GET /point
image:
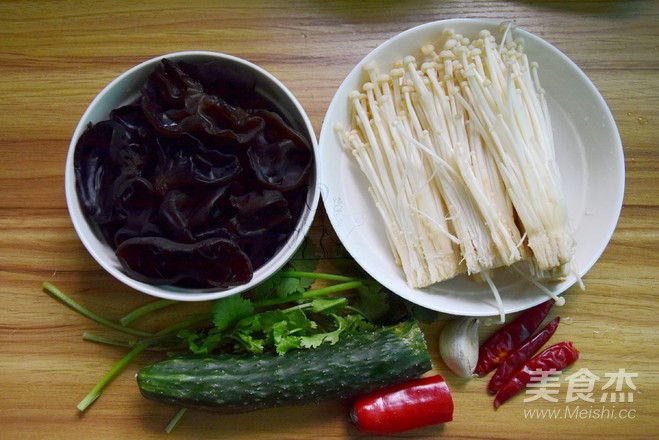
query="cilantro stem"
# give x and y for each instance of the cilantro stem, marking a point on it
(185, 324)
(318, 276)
(91, 315)
(332, 289)
(309, 294)
(114, 371)
(88, 336)
(127, 343)
(175, 419)
(146, 309)
(137, 349)
(189, 322)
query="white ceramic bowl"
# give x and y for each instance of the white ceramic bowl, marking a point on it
(589, 155)
(125, 89)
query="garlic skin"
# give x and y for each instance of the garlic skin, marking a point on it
(458, 345)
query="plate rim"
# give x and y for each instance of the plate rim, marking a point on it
(327, 129)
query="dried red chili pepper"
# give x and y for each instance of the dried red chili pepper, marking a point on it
(518, 358)
(557, 357)
(414, 404)
(505, 340)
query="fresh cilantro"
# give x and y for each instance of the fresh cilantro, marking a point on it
(283, 286)
(373, 300)
(245, 342)
(421, 313)
(312, 341)
(201, 343)
(288, 343)
(286, 313)
(288, 286)
(229, 310)
(344, 325)
(321, 305)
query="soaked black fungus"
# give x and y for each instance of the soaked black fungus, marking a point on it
(214, 262)
(198, 182)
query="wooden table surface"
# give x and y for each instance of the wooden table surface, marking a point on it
(55, 56)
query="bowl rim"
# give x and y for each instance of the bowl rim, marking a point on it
(100, 251)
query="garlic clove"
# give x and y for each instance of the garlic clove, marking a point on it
(458, 345)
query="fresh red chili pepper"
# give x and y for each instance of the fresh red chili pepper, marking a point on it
(518, 358)
(505, 340)
(556, 357)
(414, 404)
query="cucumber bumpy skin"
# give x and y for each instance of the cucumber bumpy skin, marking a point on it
(226, 383)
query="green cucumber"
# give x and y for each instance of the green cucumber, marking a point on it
(355, 365)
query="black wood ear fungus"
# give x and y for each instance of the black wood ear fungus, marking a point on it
(198, 182)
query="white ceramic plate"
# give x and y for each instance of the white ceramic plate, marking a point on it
(589, 153)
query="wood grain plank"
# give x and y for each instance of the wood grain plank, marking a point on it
(56, 56)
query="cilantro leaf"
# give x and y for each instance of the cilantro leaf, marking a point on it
(229, 310)
(201, 342)
(289, 286)
(273, 329)
(288, 343)
(421, 313)
(373, 300)
(248, 342)
(323, 305)
(344, 325)
(257, 322)
(305, 259)
(313, 341)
